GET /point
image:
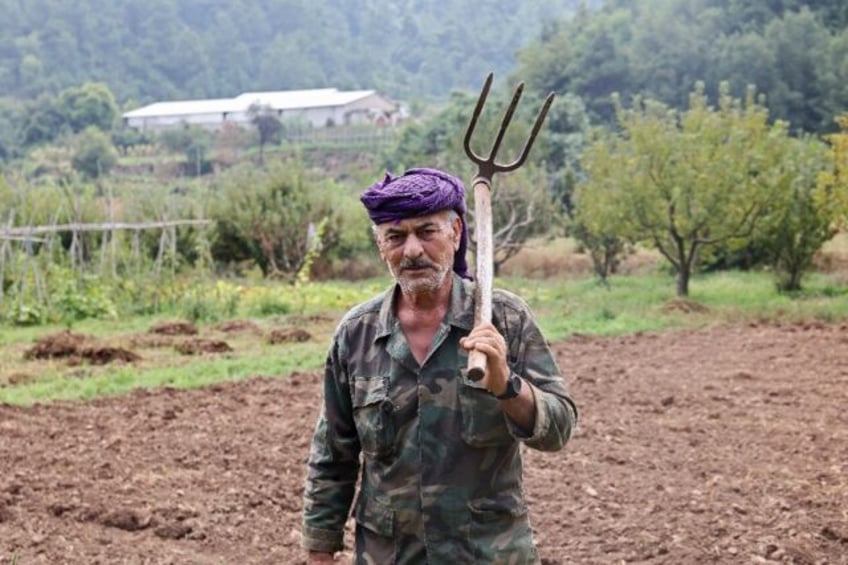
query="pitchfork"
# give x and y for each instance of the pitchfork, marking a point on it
(482, 185)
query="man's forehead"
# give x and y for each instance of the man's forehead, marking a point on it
(416, 222)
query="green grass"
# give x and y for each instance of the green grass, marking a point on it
(563, 308)
(643, 303)
(191, 374)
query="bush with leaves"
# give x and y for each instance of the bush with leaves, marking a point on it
(265, 216)
(93, 153)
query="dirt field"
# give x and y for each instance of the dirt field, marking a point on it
(725, 445)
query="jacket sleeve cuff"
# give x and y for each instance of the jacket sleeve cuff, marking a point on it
(325, 541)
(540, 426)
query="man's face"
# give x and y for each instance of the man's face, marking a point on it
(419, 251)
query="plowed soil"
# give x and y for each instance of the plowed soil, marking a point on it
(721, 445)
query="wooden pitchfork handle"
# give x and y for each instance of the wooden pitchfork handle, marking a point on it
(482, 186)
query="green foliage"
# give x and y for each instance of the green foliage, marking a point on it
(72, 111)
(801, 216)
(93, 155)
(683, 182)
(25, 314)
(180, 49)
(80, 298)
(192, 141)
(202, 303)
(264, 215)
(90, 105)
(791, 51)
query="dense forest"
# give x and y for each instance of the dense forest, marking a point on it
(167, 49)
(794, 52)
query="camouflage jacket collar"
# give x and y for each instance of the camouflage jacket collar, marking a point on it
(460, 312)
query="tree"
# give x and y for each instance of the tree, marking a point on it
(192, 141)
(801, 213)
(92, 104)
(264, 216)
(683, 181)
(94, 155)
(267, 124)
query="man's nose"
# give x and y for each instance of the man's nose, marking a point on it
(412, 246)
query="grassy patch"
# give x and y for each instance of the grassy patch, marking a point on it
(572, 305)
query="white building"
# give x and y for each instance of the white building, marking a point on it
(317, 108)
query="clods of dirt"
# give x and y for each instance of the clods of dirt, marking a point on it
(685, 305)
(199, 345)
(288, 335)
(152, 341)
(174, 328)
(238, 326)
(127, 519)
(55, 346)
(105, 355)
(76, 349)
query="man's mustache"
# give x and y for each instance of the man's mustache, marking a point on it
(416, 264)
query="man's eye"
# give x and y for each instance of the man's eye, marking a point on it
(428, 233)
(395, 238)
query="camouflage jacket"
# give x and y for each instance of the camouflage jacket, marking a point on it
(441, 464)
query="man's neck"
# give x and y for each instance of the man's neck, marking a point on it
(427, 301)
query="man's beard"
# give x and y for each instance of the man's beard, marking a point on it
(429, 283)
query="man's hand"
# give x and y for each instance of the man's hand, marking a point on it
(486, 339)
(317, 557)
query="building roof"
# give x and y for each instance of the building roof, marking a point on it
(183, 107)
(278, 100)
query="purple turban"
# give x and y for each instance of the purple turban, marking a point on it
(419, 192)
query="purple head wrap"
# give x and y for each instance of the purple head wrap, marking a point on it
(419, 192)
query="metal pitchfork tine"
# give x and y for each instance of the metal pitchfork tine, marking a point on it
(482, 186)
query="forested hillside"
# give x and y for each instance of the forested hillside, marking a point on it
(793, 52)
(159, 49)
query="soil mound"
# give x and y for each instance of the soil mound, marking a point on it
(199, 346)
(105, 355)
(238, 326)
(58, 345)
(685, 305)
(174, 328)
(288, 335)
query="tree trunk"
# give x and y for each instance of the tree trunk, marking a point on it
(684, 272)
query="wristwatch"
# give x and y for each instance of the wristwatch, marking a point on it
(513, 387)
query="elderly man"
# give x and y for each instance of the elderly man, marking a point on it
(441, 477)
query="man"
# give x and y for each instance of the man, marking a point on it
(440, 454)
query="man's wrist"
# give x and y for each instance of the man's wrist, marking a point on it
(512, 389)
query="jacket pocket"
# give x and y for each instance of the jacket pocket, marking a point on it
(483, 420)
(501, 530)
(373, 413)
(375, 530)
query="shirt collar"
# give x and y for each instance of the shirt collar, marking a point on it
(460, 311)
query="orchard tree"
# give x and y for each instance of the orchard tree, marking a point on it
(801, 214)
(683, 181)
(834, 183)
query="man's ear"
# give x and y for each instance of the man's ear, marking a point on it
(457, 232)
